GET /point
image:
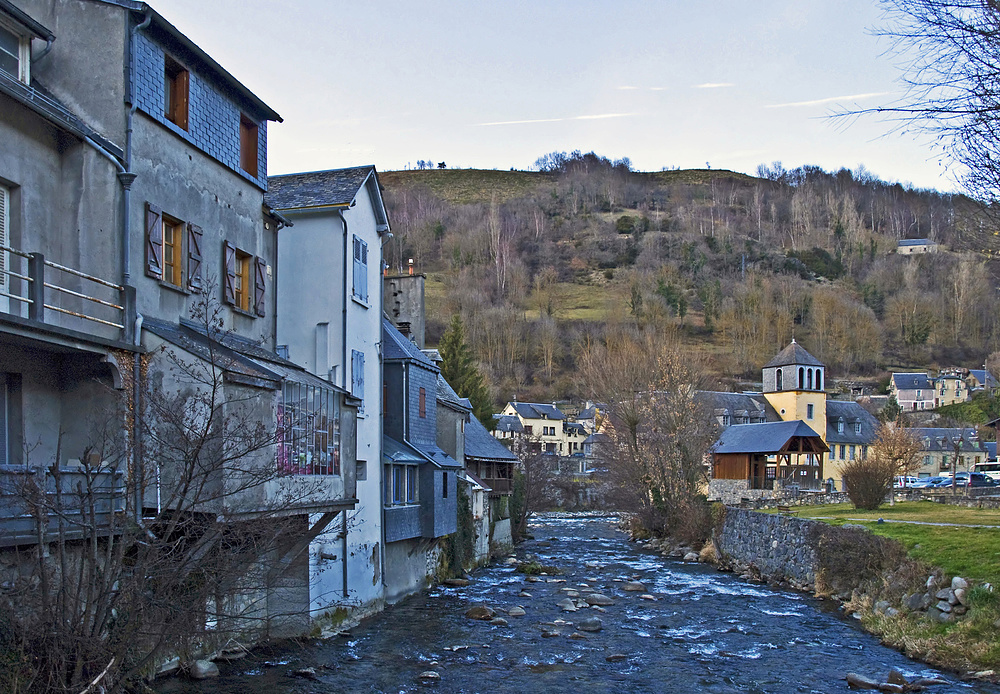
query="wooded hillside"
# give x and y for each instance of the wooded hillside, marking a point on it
(541, 264)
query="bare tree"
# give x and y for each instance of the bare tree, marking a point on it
(896, 448)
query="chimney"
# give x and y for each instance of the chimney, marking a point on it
(410, 265)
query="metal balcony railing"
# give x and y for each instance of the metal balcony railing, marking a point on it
(31, 285)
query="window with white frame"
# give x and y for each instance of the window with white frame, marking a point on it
(840, 426)
(857, 427)
(308, 430)
(360, 270)
(402, 485)
(15, 53)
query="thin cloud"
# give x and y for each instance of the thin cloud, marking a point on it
(627, 88)
(828, 100)
(714, 85)
(599, 116)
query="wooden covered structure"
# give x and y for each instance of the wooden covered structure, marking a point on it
(769, 455)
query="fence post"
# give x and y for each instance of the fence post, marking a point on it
(36, 287)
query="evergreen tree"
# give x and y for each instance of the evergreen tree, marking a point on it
(458, 369)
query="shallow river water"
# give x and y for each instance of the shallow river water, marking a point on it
(706, 632)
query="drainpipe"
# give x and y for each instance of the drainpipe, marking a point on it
(137, 465)
(343, 380)
(126, 203)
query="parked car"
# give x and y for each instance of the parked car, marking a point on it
(905, 482)
(926, 482)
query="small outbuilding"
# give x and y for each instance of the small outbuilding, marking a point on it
(756, 460)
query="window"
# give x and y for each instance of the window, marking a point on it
(358, 377)
(10, 419)
(842, 451)
(927, 460)
(248, 146)
(423, 402)
(850, 452)
(402, 487)
(308, 430)
(528, 429)
(175, 93)
(15, 54)
(246, 280)
(802, 378)
(779, 379)
(840, 426)
(360, 270)
(819, 380)
(944, 462)
(444, 484)
(809, 411)
(857, 427)
(173, 250)
(725, 420)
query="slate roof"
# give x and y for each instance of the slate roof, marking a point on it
(480, 444)
(395, 346)
(537, 410)
(436, 455)
(767, 437)
(794, 353)
(333, 188)
(447, 396)
(754, 405)
(850, 412)
(574, 426)
(914, 242)
(984, 377)
(991, 449)
(394, 451)
(596, 438)
(508, 423)
(941, 439)
(911, 381)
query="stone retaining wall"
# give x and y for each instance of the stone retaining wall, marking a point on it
(768, 546)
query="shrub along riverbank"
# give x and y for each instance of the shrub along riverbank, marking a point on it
(902, 601)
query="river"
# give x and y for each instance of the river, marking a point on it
(705, 631)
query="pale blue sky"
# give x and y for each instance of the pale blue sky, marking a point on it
(666, 83)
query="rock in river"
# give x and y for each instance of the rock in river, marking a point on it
(480, 612)
(567, 605)
(203, 669)
(591, 624)
(634, 587)
(598, 599)
(516, 612)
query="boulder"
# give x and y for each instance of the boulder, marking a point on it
(456, 582)
(616, 657)
(647, 596)
(516, 612)
(962, 596)
(524, 594)
(914, 602)
(881, 606)
(591, 624)
(634, 587)
(203, 669)
(959, 582)
(943, 606)
(566, 605)
(896, 677)
(169, 667)
(549, 633)
(480, 612)
(578, 636)
(858, 682)
(691, 556)
(943, 594)
(308, 673)
(599, 599)
(890, 688)
(498, 622)
(429, 676)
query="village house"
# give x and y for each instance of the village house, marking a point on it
(329, 319)
(542, 428)
(915, 246)
(942, 447)
(949, 389)
(913, 391)
(136, 241)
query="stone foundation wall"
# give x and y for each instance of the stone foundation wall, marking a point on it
(768, 546)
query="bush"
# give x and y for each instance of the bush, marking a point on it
(868, 481)
(850, 557)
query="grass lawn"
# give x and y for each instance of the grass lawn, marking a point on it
(972, 553)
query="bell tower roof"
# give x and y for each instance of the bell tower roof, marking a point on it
(795, 354)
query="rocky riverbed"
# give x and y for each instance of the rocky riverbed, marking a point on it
(615, 618)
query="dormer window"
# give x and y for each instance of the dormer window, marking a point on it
(14, 54)
(857, 427)
(840, 426)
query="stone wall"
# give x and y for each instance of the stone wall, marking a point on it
(768, 546)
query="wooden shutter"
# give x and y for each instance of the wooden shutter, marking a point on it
(229, 273)
(194, 234)
(154, 241)
(259, 285)
(181, 85)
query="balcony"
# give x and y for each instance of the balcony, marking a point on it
(67, 503)
(65, 299)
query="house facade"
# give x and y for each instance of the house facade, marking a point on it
(915, 246)
(946, 450)
(913, 391)
(542, 428)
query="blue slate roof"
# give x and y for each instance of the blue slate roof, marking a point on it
(914, 242)
(767, 437)
(508, 423)
(943, 439)
(394, 451)
(395, 346)
(911, 381)
(991, 449)
(436, 455)
(794, 353)
(575, 426)
(447, 396)
(480, 444)
(333, 188)
(537, 410)
(850, 412)
(984, 377)
(755, 406)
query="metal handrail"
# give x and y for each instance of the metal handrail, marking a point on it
(82, 315)
(15, 251)
(83, 296)
(83, 275)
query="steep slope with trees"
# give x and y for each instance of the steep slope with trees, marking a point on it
(539, 265)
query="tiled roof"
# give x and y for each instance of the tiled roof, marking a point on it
(984, 377)
(436, 455)
(768, 437)
(447, 396)
(508, 423)
(943, 438)
(480, 444)
(911, 381)
(914, 242)
(794, 353)
(334, 188)
(755, 405)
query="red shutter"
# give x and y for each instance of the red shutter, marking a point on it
(154, 241)
(259, 285)
(194, 258)
(229, 272)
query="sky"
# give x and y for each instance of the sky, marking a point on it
(727, 84)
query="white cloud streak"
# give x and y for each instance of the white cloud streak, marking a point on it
(828, 100)
(714, 85)
(600, 116)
